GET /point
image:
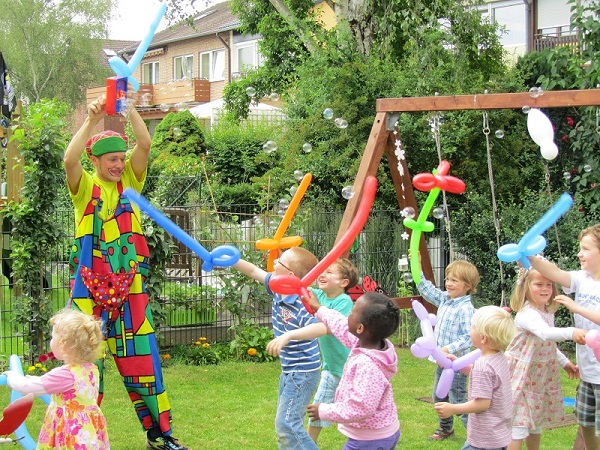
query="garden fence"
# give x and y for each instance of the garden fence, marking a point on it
(195, 303)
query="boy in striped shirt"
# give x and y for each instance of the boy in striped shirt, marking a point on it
(300, 359)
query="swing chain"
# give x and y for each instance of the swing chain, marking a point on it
(486, 123)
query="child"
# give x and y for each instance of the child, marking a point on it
(333, 285)
(455, 311)
(585, 283)
(73, 418)
(533, 359)
(364, 401)
(490, 399)
(300, 360)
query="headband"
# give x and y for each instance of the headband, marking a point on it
(106, 142)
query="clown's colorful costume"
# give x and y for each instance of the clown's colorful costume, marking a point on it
(109, 241)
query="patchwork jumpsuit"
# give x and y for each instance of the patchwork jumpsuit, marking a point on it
(116, 246)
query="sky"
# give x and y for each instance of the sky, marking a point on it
(133, 18)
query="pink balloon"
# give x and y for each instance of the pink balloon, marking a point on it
(592, 339)
(420, 310)
(444, 383)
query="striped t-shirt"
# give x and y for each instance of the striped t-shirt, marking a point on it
(490, 379)
(288, 314)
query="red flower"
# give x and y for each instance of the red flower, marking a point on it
(43, 358)
(574, 170)
(570, 121)
(565, 138)
(593, 185)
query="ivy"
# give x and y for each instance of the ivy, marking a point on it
(42, 138)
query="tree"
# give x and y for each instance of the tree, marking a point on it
(51, 47)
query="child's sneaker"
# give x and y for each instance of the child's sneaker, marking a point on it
(164, 443)
(441, 434)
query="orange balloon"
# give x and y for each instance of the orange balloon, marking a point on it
(278, 242)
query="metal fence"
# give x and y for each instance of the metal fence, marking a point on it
(196, 303)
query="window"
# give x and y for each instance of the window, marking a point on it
(212, 65)
(183, 67)
(511, 16)
(246, 56)
(150, 73)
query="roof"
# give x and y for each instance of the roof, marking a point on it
(114, 45)
(212, 20)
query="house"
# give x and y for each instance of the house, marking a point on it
(531, 25)
(189, 65)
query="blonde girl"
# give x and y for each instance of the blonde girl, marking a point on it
(534, 359)
(73, 418)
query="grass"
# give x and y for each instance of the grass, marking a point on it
(232, 406)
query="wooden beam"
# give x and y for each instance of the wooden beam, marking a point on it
(405, 195)
(368, 166)
(550, 99)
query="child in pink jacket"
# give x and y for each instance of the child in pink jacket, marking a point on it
(364, 401)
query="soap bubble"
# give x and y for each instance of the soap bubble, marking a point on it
(347, 192)
(274, 96)
(164, 107)
(328, 113)
(298, 175)
(526, 109)
(403, 263)
(269, 147)
(438, 213)
(284, 203)
(181, 106)
(293, 190)
(567, 175)
(341, 123)
(306, 147)
(408, 212)
(250, 91)
(257, 220)
(587, 168)
(281, 213)
(499, 134)
(534, 92)
(407, 277)
(176, 131)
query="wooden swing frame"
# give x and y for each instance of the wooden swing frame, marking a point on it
(382, 139)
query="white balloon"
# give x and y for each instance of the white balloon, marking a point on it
(539, 127)
(549, 150)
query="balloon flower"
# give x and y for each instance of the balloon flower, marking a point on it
(425, 346)
(533, 242)
(291, 284)
(279, 242)
(25, 439)
(222, 256)
(592, 340)
(433, 182)
(123, 69)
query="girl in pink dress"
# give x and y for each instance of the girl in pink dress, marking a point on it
(534, 359)
(73, 419)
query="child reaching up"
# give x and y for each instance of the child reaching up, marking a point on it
(490, 399)
(533, 359)
(332, 292)
(73, 418)
(452, 331)
(585, 284)
(300, 359)
(364, 401)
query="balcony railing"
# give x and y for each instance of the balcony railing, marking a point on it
(165, 96)
(549, 38)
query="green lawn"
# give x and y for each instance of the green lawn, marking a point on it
(232, 406)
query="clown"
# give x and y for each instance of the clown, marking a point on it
(109, 263)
